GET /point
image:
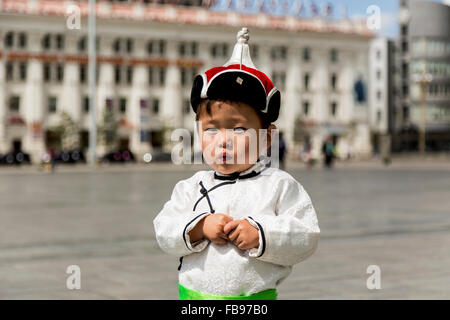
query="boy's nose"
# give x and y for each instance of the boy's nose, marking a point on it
(225, 141)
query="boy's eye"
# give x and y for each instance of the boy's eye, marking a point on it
(240, 130)
(211, 130)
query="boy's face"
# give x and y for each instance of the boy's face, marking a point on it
(230, 136)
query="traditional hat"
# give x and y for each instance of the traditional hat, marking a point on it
(238, 80)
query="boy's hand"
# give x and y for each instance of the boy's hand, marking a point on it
(211, 228)
(242, 234)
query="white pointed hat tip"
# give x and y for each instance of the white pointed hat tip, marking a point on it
(241, 51)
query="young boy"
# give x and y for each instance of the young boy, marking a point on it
(240, 227)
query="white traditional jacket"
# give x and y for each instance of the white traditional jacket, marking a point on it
(269, 198)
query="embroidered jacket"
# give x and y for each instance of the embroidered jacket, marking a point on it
(269, 198)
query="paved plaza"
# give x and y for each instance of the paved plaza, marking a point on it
(397, 218)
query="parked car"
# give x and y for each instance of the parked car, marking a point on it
(119, 156)
(70, 157)
(15, 158)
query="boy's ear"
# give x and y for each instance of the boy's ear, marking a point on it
(269, 134)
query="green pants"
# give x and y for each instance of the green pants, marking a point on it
(189, 294)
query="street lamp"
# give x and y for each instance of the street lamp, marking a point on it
(422, 79)
(92, 83)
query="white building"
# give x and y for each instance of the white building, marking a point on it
(382, 83)
(147, 58)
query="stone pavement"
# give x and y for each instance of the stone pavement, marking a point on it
(101, 220)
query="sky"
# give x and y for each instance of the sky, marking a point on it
(354, 9)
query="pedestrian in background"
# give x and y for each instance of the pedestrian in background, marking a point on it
(328, 151)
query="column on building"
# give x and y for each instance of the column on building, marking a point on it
(171, 111)
(139, 113)
(70, 98)
(33, 104)
(346, 101)
(3, 147)
(292, 97)
(105, 87)
(319, 87)
(362, 143)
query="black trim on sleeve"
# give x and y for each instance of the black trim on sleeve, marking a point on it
(184, 231)
(263, 237)
(181, 262)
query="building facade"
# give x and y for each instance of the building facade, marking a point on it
(148, 55)
(424, 47)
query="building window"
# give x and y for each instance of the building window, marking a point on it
(187, 49)
(122, 105)
(333, 81)
(379, 95)
(46, 72)
(59, 72)
(59, 42)
(83, 73)
(9, 40)
(129, 75)
(187, 76)
(130, 45)
(404, 30)
(378, 54)
(123, 45)
(86, 104)
(378, 75)
(279, 53)
(187, 106)
(23, 71)
(82, 44)
(143, 103)
(155, 106)
(306, 81)
(333, 109)
(405, 46)
(156, 47)
(279, 78)
(120, 73)
(9, 71)
(14, 104)
(117, 74)
(405, 70)
(116, 46)
(254, 51)
(109, 104)
(334, 55)
(405, 90)
(306, 108)
(405, 112)
(52, 72)
(156, 76)
(306, 54)
(378, 117)
(46, 42)
(51, 105)
(219, 50)
(22, 40)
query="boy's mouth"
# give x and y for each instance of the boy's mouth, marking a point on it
(225, 157)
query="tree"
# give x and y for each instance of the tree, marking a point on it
(108, 130)
(69, 132)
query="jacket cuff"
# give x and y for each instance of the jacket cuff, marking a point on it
(198, 245)
(257, 252)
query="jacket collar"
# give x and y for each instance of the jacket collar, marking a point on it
(262, 163)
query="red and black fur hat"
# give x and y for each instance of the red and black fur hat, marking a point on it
(238, 80)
